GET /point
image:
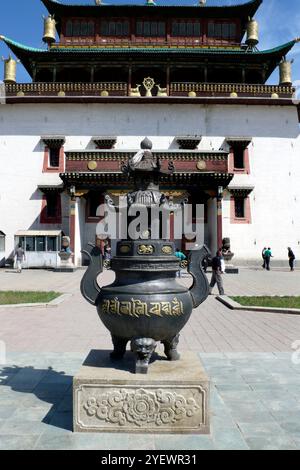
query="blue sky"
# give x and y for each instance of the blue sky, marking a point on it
(279, 21)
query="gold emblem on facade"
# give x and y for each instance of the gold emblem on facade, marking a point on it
(167, 250)
(201, 165)
(92, 165)
(145, 250)
(148, 83)
(125, 249)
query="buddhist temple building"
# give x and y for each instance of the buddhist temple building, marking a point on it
(190, 78)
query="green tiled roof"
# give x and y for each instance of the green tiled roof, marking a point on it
(30, 55)
(14, 44)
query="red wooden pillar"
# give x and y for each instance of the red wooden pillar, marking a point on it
(219, 217)
(172, 226)
(72, 223)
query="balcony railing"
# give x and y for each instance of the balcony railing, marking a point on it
(183, 89)
(224, 89)
(70, 89)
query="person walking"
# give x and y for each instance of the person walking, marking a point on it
(292, 258)
(20, 256)
(268, 256)
(107, 256)
(217, 273)
(181, 256)
(264, 257)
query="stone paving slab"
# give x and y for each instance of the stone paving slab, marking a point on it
(245, 415)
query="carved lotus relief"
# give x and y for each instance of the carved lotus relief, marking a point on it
(141, 407)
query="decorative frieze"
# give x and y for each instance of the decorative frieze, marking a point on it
(162, 155)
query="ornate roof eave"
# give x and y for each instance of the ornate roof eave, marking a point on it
(240, 191)
(246, 8)
(46, 189)
(180, 178)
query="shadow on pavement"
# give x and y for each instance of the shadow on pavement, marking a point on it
(47, 385)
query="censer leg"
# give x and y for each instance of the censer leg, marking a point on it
(142, 349)
(119, 347)
(171, 348)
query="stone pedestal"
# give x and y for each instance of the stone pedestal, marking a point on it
(66, 263)
(172, 398)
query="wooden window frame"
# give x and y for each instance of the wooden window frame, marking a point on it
(231, 166)
(44, 218)
(88, 218)
(109, 21)
(185, 22)
(247, 211)
(141, 33)
(46, 164)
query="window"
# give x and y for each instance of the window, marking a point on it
(239, 207)
(51, 206)
(93, 204)
(83, 28)
(150, 28)
(28, 243)
(238, 158)
(54, 157)
(91, 29)
(221, 30)
(186, 28)
(51, 243)
(69, 28)
(80, 28)
(40, 243)
(114, 28)
(76, 28)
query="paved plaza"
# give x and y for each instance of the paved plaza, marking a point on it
(248, 356)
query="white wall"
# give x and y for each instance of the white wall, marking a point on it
(274, 160)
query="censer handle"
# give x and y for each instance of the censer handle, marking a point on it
(89, 286)
(200, 288)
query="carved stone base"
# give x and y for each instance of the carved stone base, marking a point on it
(66, 264)
(172, 398)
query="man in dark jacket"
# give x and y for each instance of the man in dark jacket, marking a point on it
(264, 257)
(291, 258)
(217, 273)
